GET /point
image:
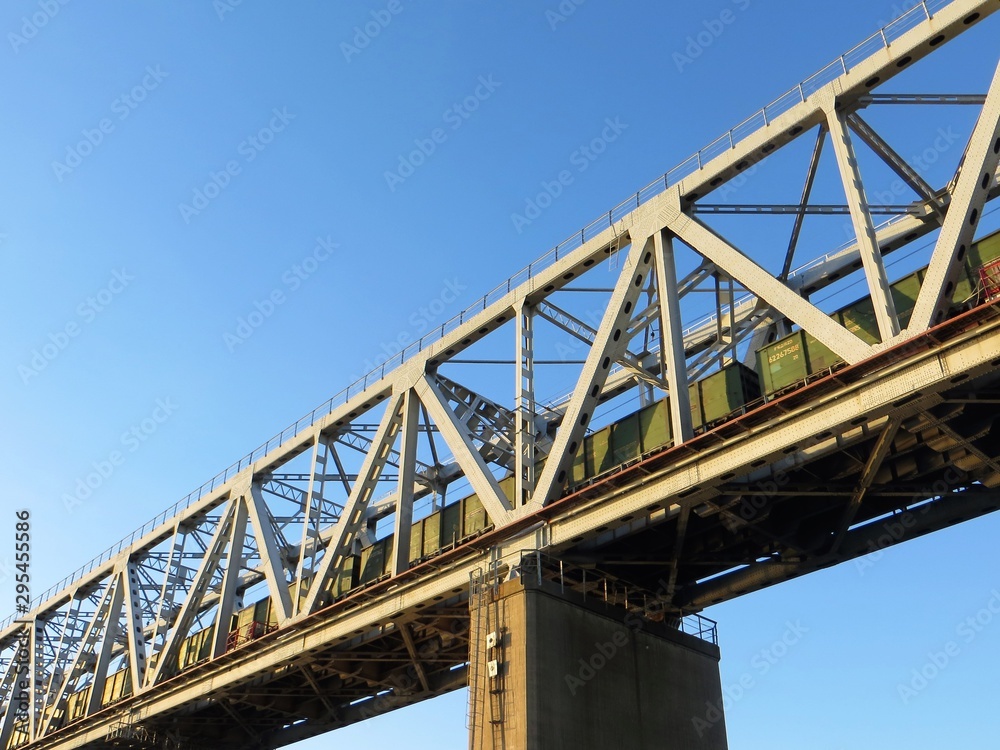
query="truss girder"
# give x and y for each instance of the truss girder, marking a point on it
(273, 558)
(199, 587)
(16, 692)
(489, 422)
(194, 566)
(648, 497)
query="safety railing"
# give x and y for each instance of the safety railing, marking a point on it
(791, 98)
(536, 567)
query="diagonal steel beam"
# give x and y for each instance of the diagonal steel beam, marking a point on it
(971, 190)
(322, 452)
(491, 423)
(227, 604)
(85, 646)
(609, 343)
(341, 471)
(793, 241)
(468, 458)
(763, 284)
(270, 551)
(895, 162)
(864, 229)
(878, 454)
(112, 626)
(411, 649)
(353, 515)
(582, 332)
(172, 572)
(68, 639)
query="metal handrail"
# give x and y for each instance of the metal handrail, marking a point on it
(794, 96)
(533, 564)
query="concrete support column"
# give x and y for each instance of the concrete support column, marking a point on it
(551, 668)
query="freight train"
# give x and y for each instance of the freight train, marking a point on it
(781, 366)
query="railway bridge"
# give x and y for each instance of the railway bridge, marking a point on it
(436, 525)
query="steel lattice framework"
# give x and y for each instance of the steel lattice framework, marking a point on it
(282, 522)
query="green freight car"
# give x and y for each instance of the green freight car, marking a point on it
(793, 359)
(116, 687)
(446, 527)
(76, 704)
(713, 398)
(724, 392)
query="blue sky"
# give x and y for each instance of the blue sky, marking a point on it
(171, 169)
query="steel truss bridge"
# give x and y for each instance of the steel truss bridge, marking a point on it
(803, 481)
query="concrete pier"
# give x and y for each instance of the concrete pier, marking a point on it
(551, 668)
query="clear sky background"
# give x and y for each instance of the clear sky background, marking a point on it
(167, 166)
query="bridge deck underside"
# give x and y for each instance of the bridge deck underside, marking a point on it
(418, 656)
